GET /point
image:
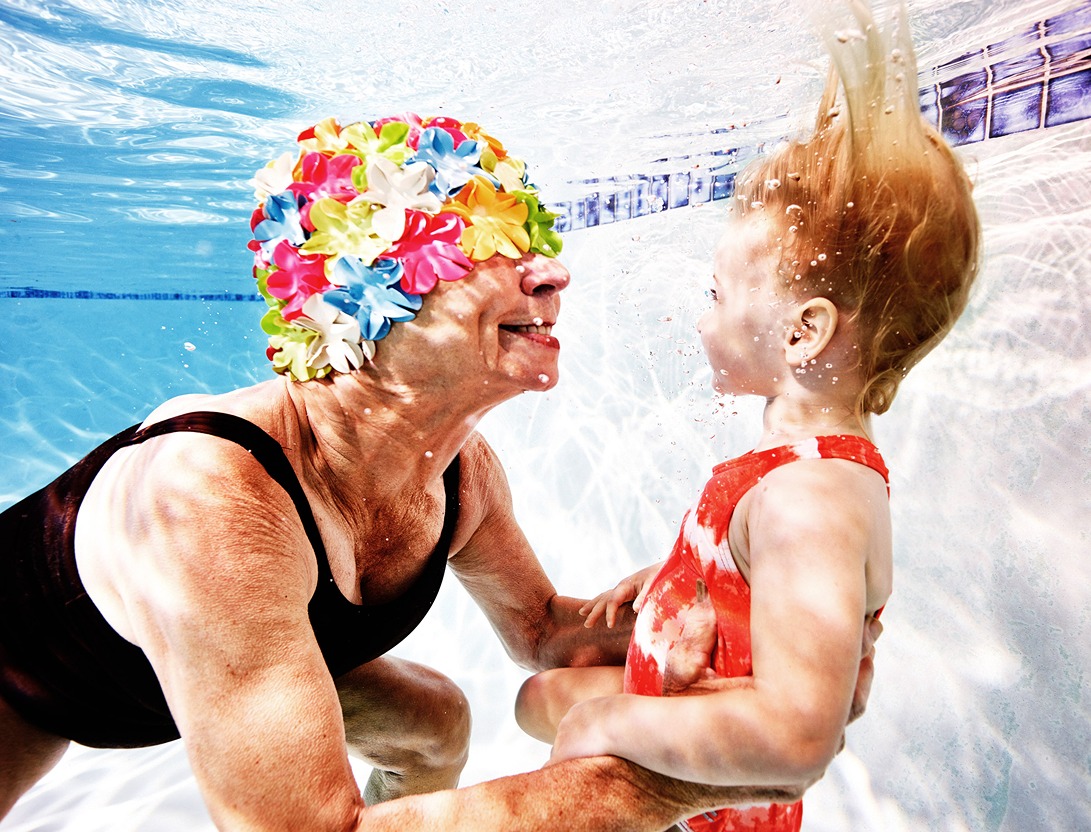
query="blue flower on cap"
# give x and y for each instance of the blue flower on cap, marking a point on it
(455, 166)
(283, 223)
(372, 295)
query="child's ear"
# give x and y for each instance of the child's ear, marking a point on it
(811, 330)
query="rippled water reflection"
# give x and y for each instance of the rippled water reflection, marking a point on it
(129, 131)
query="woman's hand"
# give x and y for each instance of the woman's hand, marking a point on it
(634, 588)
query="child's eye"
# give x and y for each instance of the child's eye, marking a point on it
(710, 294)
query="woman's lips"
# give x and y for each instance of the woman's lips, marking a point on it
(538, 333)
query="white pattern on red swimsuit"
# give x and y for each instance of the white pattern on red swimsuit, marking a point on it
(702, 551)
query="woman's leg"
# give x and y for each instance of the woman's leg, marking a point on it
(410, 722)
(26, 754)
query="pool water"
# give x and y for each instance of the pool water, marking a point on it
(129, 131)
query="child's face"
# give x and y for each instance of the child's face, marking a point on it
(743, 332)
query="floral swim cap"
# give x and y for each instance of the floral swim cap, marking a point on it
(363, 220)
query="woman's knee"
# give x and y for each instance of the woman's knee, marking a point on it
(444, 719)
(402, 715)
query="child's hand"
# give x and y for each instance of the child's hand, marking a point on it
(634, 588)
(689, 660)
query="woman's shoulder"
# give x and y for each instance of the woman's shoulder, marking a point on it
(249, 403)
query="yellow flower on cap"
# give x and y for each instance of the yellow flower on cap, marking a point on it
(342, 230)
(324, 137)
(494, 221)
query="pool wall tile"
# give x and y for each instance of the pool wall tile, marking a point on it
(1039, 76)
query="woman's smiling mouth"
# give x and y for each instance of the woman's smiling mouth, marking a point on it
(541, 333)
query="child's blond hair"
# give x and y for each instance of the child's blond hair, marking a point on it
(874, 210)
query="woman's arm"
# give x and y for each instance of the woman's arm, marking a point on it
(494, 561)
(603, 794)
(213, 572)
(811, 528)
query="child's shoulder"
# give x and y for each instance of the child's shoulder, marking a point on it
(855, 450)
(818, 483)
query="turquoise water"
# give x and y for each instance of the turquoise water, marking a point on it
(128, 133)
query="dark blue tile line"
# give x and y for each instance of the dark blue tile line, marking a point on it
(1047, 86)
(29, 292)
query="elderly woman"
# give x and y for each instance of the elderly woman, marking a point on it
(234, 570)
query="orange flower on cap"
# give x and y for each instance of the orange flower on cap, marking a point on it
(494, 221)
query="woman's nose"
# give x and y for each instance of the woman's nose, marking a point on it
(542, 275)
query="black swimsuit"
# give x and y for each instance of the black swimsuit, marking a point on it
(62, 666)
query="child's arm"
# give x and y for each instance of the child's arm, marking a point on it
(811, 528)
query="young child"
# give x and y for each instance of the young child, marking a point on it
(848, 257)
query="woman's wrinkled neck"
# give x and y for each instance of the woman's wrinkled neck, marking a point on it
(369, 429)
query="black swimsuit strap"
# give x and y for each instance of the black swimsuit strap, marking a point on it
(265, 449)
(270, 455)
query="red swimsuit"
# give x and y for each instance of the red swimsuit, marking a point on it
(702, 551)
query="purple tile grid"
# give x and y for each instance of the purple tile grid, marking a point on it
(1048, 84)
(1039, 77)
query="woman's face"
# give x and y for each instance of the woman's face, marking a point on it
(743, 331)
(499, 320)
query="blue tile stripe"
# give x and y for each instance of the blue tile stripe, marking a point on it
(33, 293)
(1038, 78)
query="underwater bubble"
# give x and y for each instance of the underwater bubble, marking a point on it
(367, 411)
(793, 229)
(794, 210)
(889, 109)
(538, 321)
(822, 258)
(427, 454)
(757, 204)
(829, 366)
(814, 262)
(190, 346)
(520, 268)
(542, 377)
(849, 204)
(772, 184)
(795, 177)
